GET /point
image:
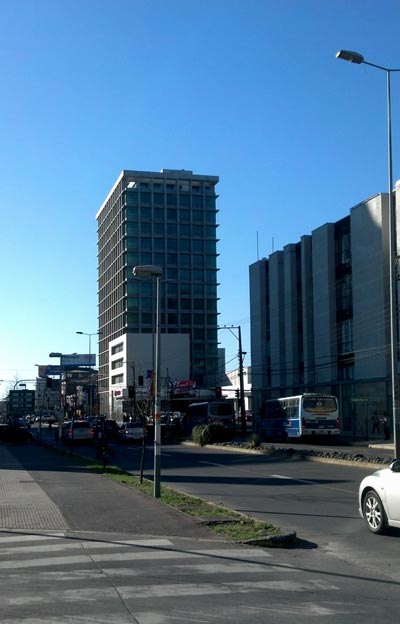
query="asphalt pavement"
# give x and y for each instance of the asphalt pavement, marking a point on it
(45, 490)
(48, 490)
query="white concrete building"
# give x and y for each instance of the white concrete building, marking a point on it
(320, 314)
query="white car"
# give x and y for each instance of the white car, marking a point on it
(379, 498)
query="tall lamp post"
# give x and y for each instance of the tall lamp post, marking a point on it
(155, 272)
(355, 57)
(90, 365)
(58, 354)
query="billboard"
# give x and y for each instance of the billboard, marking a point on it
(76, 359)
(45, 370)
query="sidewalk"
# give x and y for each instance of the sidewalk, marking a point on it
(45, 490)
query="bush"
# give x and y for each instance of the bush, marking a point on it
(198, 434)
(253, 441)
(210, 434)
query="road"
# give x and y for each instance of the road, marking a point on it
(95, 562)
(318, 500)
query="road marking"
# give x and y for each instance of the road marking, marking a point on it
(307, 482)
(74, 544)
(200, 589)
(276, 476)
(227, 554)
(158, 591)
(229, 568)
(212, 464)
(17, 537)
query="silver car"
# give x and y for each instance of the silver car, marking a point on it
(130, 431)
(77, 431)
(379, 498)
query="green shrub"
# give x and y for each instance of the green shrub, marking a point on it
(254, 440)
(210, 434)
(198, 434)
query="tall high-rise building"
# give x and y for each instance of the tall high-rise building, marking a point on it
(167, 219)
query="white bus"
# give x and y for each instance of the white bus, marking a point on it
(215, 411)
(297, 416)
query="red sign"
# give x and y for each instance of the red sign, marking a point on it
(183, 387)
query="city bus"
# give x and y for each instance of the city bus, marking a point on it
(298, 416)
(206, 412)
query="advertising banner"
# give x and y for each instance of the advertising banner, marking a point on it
(45, 370)
(76, 359)
(183, 387)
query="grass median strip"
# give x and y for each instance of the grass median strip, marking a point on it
(227, 523)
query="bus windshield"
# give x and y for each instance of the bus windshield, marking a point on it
(319, 404)
(221, 409)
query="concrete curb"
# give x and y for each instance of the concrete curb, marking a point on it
(285, 540)
(299, 454)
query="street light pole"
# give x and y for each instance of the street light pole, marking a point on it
(355, 57)
(90, 366)
(155, 272)
(58, 354)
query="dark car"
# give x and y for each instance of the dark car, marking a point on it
(13, 434)
(108, 427)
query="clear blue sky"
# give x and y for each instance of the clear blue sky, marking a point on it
(250, 91)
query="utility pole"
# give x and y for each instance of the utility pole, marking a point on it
(241, 355)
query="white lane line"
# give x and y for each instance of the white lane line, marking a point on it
(212, 464)
(307, 482)
(276, 476)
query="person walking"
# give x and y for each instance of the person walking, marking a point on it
(385, 424)
(375, 423)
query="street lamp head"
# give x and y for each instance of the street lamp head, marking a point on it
(55, 354)
(352, 57)
(147, 270)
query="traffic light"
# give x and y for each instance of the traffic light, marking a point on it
(49, 382)
(218, 392)
(140, 380)
(237, 393)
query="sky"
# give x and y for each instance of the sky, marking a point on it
(250, 91)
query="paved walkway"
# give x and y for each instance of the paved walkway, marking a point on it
(42, 489)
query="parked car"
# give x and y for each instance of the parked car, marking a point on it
(130, 431)
(379, 498)
(77, 431)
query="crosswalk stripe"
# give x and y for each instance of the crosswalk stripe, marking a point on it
(90, 594)
(40, 562)
(198, 589)
(29, 538)
(98, 558)
(79, 544)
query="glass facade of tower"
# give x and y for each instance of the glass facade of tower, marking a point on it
(166, 219)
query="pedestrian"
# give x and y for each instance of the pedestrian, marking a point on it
(385, 424)
(375, 423)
